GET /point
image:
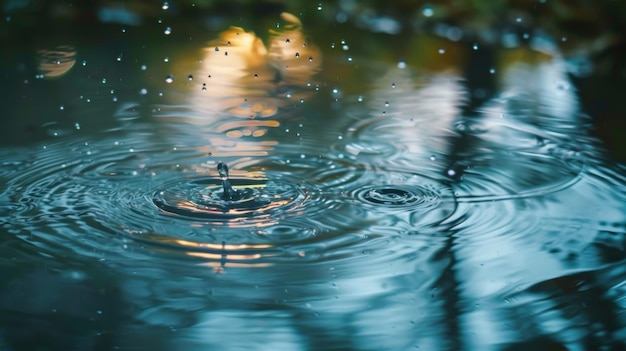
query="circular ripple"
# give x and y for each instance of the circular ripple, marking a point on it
(399, 196)
(258, 201)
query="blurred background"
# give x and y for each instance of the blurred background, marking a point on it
(589, 34)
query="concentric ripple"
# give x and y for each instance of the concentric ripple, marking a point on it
(200, 199)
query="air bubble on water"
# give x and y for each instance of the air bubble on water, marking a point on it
(442, 51)
(492, 70)
(190, 77)
(169, 79)
(297, 55)
(168, 30)
(144, 67)
(143, 91)
(165, 5)
(319, 6)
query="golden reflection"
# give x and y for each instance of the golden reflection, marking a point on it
(248, 84)
(222, 255)
(54, 63)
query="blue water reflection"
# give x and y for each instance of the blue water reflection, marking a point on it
(409, 212)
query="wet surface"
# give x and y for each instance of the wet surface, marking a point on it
(233, 191)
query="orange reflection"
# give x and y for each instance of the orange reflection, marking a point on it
(56, 62)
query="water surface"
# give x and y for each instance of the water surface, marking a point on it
(388, 202)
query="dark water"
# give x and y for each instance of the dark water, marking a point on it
(391, 201)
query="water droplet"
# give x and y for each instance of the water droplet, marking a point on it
(302, 100)
(563, 39)
(492, 70)
(475, 46)
(104, 80)
(168, 30)
(190, 77)
(166, 59)
(287, 41)
(518, 20)
(319, 6)
(84, 62)
(144, 67)
(61, 107)
(428, 11)
(332, 45)
(119, 58)
(350, 58)
(432, 157)
(442, 51)
(360, 98)
(345, 47)
(386, 103)
(310, 58)
(143, 91)
(165, 6)
(203, 86)
(297, 55)
(169, 79)
(393, 85)
(77, 126)
(451, 173)
(401, 64)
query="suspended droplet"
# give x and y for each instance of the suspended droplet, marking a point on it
(168, 30)
(319, 6)
(169, 79)
(190, 77)
(165, 5)
(297, 55)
